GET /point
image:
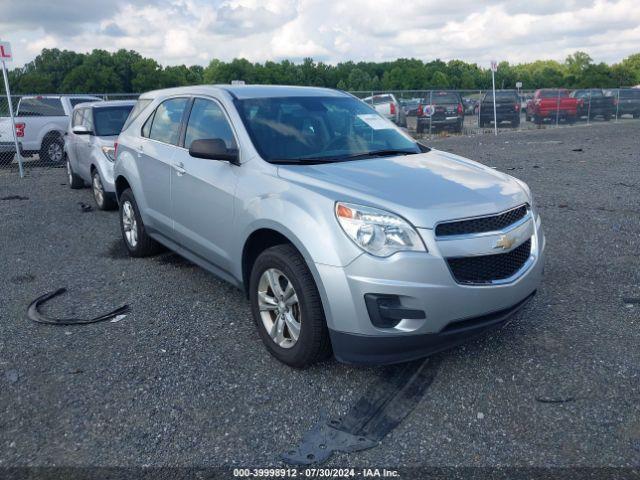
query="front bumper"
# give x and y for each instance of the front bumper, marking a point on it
(421, 282)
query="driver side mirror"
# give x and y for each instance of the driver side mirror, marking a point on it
(81, 130)
(213, 149)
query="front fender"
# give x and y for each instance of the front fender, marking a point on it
(126, 167)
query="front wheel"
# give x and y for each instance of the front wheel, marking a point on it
(104, 200)
(74, 180)
(287, 309)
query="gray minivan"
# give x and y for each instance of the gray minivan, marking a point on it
(347, 235)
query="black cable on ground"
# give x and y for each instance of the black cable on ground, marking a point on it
(34, 314)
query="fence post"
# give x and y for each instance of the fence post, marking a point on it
(13, 120)
(617, 103)
(589, 109)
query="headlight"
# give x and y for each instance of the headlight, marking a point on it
(110, 153)
(378, 232)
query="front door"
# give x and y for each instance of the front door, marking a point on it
(202, 190)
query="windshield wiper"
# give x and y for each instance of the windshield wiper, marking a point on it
(377, 153)
(342, 158)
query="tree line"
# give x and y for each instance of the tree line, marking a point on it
(126, 71)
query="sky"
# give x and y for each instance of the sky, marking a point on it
(195, 31)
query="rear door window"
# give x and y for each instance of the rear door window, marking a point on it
(136, 111)
(40, 107)
(167, 120)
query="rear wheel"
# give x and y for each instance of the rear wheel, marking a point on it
(136, 239)
(104, 200)
(537, 119)
(74, 180)
(419, 127)
(287, 309)
(52, 149)
(515, 123)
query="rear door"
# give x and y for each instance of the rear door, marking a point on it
(203, 190)
(154, 157)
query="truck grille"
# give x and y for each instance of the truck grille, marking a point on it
(481, 224)
(489, 268)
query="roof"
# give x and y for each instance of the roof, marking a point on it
(249, 91)
(104, 104)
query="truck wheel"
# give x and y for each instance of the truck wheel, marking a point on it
(537, 120)
(571, 120)
(136, 239)
(104, 200)
(636, 115)
(606, 117)
(458, 128)
(515, 123)
(419, 127)
(74, 180)
(6, 158)
(287, 309)
(52, 149)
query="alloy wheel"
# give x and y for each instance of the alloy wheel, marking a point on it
(55, 152)
(98, 190)
(129, 224)
(279, 308)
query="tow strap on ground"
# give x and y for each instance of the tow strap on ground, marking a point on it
(34, 314)
(385, 403)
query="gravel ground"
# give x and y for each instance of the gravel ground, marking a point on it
(183, 380)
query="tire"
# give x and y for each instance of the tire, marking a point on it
(515, 123)
(636, 115)
(419, 127)
(52, 149)
(104, 200)
(289, 268)
(571, 120)
(537, 120)
(6, 158)
(74, 180)
(139, 243)
(606, 117)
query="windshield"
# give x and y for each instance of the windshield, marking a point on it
(108, 121)
(314, 129)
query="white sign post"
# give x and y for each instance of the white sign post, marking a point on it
(7, 56)
(494, 68)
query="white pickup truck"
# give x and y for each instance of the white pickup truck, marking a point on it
(41, 122)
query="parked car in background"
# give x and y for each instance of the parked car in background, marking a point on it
(41, 122)
(594, 103)
(442, 110)
(387, 106)
(410, 106)
(90, 147)
(469, 105)
(344, 232)
(507, 108)
(628, 102)
(552, 104)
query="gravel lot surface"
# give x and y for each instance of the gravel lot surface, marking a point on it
(184, 380)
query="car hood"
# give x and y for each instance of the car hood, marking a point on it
(424, 188)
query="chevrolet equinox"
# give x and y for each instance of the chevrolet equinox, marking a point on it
(347, 235)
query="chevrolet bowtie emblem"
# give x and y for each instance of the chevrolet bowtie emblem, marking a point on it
(505, 242)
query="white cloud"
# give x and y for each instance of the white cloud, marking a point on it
(194, 31)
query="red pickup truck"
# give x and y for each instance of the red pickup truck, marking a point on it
(552, 103)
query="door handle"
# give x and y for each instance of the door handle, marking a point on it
(179, 168)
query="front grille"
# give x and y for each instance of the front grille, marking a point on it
(489, 268)
(481, 224)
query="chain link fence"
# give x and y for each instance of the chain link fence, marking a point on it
(471, 112)
(42, 120)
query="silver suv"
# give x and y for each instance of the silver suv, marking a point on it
(346, 234)
(89, 145)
